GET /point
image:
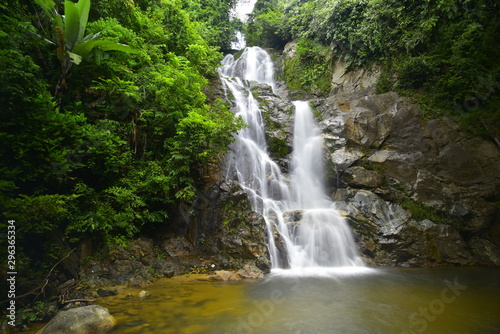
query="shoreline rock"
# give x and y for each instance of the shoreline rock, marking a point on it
(80, 320)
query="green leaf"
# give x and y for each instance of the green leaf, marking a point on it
(47, 6)
(74, 58)
(84, 8)
(113, 46)
(76, 16)
(71, 24)
(85, 49)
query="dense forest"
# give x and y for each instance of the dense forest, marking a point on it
(105, 126)
(444, 53)
(104, 123)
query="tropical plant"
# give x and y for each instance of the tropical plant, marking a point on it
(73, 45)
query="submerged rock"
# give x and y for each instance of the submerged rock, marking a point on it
(248, 271)
(143, 294)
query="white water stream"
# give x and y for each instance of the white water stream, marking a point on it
(317, 237)
(241, 10)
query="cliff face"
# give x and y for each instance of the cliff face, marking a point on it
(418, 192)
(415, 191)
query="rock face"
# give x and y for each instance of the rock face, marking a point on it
(224, 228)
(354, 83)
(415, 191)
(93, 319)
(137, 264)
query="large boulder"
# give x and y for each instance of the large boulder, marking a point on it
(359, 177)
(93, 319)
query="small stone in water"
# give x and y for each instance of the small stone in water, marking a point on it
(143, 294)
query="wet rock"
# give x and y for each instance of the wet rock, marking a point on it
(428, 189)
(225, 275)
(136, 265)
(430, 163)
(486, 252)
(278, 119)
(81, 320)
(293, 218)
(249, 271)
(359, 177)
(368, 122)
(282, 255)
(345, 157)
(106, 293)
(389, 217)
(387, 235)
(426, 224)
(445, 244)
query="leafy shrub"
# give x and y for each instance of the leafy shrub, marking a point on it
(310, 68)
(414, 73)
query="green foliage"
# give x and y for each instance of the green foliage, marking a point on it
(42, 213)
(421, 212)
(35, 135)
(310, 68)
(414, 73)
(16, 30)
(68, 33)
(234, 214)
(201, 138)
(443, 53)
(213, 21)
(265, 30)
(205, 59)
(278, 147)
(35, 313)
(128, 132)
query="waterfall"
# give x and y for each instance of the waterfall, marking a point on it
(321, 238)
(305, 232)
(241, 10)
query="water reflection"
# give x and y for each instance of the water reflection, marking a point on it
(380, 301)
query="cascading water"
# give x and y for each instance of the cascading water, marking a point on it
(241, 10)
(318, 237)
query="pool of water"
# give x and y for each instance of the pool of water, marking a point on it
(390, 300)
